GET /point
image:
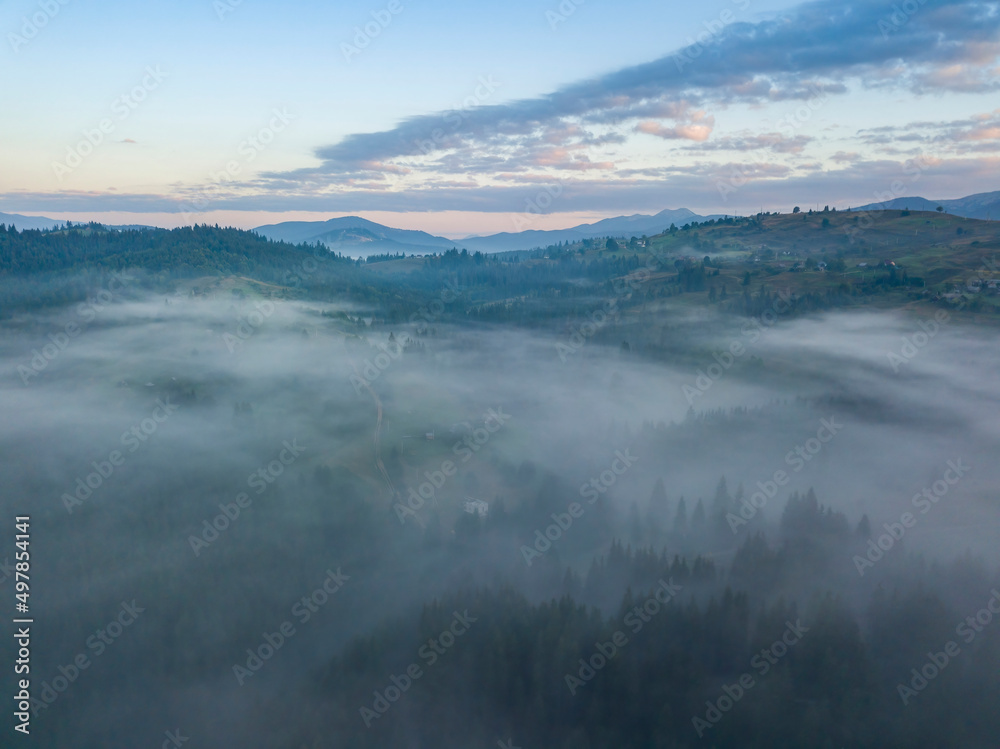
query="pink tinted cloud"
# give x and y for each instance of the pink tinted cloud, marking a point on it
(698, 129)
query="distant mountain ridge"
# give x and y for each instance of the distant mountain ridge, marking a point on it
(23, 223)
(354, 235)
(618, 226)
(984, 205)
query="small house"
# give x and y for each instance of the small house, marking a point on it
(475, 506)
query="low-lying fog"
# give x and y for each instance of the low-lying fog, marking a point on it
(122, 440)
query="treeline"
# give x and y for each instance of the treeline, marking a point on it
(50, 268)
(530, 289)
(185, 251)
(691, 656)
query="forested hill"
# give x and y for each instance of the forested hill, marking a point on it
(820, 260)
(49, 268)
(764, 656)
(198, 250)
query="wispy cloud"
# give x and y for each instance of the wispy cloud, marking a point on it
(594, 135)
(947, 46)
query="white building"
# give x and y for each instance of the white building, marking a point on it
(475, 506)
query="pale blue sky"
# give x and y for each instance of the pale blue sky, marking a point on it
(775, 110)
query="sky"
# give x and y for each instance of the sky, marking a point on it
(470, 119)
